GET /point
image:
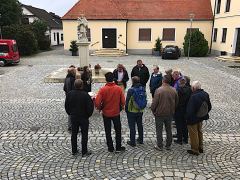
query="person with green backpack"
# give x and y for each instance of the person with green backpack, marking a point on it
(136, 101)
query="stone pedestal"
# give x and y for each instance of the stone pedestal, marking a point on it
(83, 48)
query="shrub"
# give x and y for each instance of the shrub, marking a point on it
(39, 28)
(44, 44)
(158, 45)
(73, 46)
(26, 40)
(199, 45)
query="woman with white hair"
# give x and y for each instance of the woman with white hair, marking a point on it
(198, 108)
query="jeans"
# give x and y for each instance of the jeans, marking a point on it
(167, 121)
(133, 119)
(108, 129)
(196, 137)
(83, 124)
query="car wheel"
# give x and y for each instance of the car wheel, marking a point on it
(2, 63)
(163, 57)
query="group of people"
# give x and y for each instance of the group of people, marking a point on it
(173, 99)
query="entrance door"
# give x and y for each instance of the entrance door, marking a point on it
(109, 38)
(58, 38)
(237, 52)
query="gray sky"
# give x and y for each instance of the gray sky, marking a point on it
(59, 7)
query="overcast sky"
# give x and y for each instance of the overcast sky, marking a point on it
(59, 7)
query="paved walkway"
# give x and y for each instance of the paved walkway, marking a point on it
(35, 144)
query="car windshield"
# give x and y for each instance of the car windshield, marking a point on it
(170, 48)
(4, 48)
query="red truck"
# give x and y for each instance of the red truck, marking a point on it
(8, 52)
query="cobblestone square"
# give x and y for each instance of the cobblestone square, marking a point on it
(35, 143)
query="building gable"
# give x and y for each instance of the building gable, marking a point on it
(141, 10)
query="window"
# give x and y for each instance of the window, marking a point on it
(144, 35)
(215, 35)
(54, 36)
(89, 34)
(193, 30)
(168, 34)
(224, 35)
(61, 37)
(218, 6)
(4, 48)
(228, 3)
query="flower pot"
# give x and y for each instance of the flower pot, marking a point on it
(97, 71)
(74, 53)
(155, 53)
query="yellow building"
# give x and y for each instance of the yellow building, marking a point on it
(226, 31)
(133, 26)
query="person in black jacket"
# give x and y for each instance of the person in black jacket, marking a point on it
(86, 77)
(121, 76)
(184, 93)
(198, 108)
(79, 106)
(142, 72)
(69, 85)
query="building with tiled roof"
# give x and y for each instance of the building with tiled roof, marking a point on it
(53, 22)
(134, 25)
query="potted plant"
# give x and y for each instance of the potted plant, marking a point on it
(158, 47)
(97, 69)
(74, 48)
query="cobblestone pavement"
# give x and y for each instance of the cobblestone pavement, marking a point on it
(35, 144)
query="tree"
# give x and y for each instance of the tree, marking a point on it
(23, 34)
(11, 12)
(39, 28)
(199, 45)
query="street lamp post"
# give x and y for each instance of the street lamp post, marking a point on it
(191, 16)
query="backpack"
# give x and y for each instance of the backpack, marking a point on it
(140, 98)
(203, 110)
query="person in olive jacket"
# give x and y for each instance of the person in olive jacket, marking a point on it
(79, 106)
(142, 72)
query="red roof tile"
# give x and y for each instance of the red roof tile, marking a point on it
(141, 9)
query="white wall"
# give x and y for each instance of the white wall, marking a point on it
(54, 40)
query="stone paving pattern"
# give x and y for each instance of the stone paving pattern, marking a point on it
(35, 144)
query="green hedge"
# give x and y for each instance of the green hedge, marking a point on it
(23, 34)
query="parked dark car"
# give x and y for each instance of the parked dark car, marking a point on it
(171, 52)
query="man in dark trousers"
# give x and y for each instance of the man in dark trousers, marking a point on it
(111, 100)
(68, 86)
(142, 72)
(198, 108)
(163, 107)
(79, 106)
(184, 93)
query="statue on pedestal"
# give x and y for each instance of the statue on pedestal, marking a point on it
(82, 29)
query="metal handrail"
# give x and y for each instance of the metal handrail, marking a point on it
(122, 43)
(94, 43)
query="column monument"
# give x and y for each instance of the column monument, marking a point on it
(83, 44)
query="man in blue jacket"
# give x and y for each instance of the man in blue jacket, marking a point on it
(198, 108)
(156, 80)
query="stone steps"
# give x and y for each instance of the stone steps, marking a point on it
(109, 53)
(235, 59)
